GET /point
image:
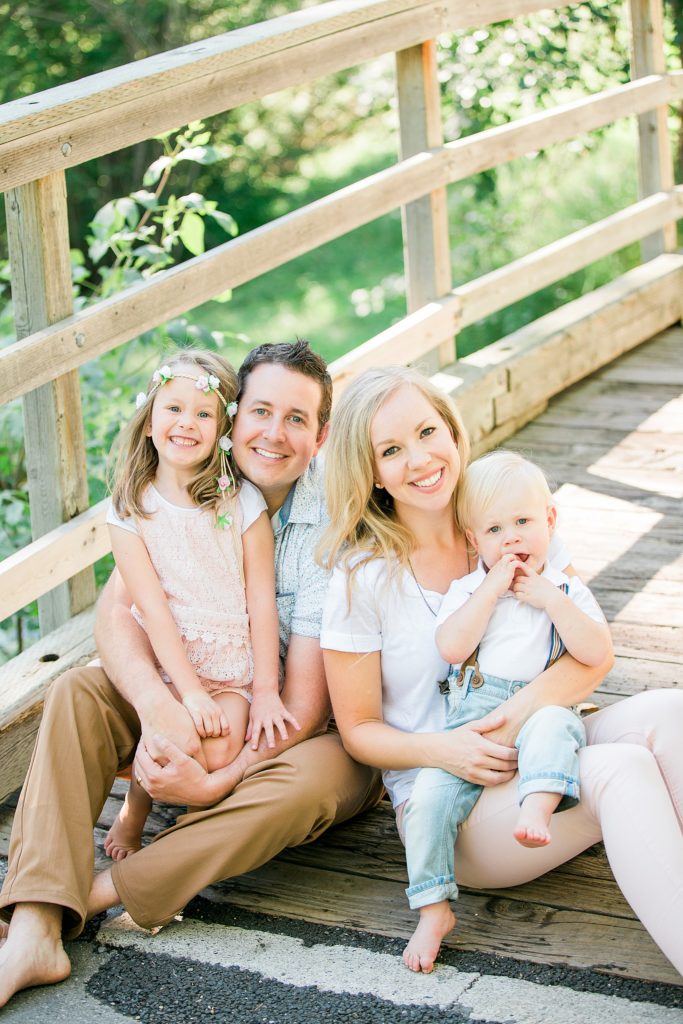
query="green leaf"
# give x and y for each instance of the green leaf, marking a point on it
(191, 233)
(224, 220)
(193, 201)
(224, 296)
(147, 199)
(156, 169)
(203, 154)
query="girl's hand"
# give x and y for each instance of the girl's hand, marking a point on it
(500, 576)
(532, 589)
(207, 716)
(268, 713)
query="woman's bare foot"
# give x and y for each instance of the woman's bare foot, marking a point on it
(436, 921)
(533, 824)
(32, 953)
(103, 894)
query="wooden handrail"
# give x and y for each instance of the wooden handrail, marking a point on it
(47, 354)
(57, 555)
(65, 126)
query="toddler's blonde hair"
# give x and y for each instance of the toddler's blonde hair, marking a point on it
(488, 476)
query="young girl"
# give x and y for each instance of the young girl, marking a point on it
(194, 547)
(500, 627)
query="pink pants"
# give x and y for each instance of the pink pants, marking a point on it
(631, 798)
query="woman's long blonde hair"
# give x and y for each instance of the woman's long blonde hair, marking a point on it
(362, 521)
(137, 458)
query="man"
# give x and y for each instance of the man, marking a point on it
(243, 814)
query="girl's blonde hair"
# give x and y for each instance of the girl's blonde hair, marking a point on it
(492, 474)
(362, 520)
(137, 458)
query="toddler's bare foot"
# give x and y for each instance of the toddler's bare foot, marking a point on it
(533, 824)
(436, 921)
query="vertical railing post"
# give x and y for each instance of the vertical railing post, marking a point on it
(38, 236)
(656, 160)
(427, 257)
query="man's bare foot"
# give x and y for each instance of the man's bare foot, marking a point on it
(103, 894)
(436, 921)
(32, 953)
(533, 824)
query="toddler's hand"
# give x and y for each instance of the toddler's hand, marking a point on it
(532, 589)
(267, 714)
(207, 716)
(500, 576)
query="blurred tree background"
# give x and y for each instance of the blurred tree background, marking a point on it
(137, 210)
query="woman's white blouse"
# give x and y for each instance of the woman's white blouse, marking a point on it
(389, 614)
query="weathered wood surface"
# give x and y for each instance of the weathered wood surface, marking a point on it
(38, 237)
(72, 123)
(51, 352)
(426, 247)
(648, 57)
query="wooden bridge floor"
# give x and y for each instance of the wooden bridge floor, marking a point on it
(613, 445)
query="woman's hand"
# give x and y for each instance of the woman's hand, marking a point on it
(469, 753)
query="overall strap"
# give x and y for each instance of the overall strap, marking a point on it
(557, 648)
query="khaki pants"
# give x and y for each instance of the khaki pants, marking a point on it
(87, 735)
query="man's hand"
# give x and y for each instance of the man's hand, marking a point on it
(167, 719)
(171, 776)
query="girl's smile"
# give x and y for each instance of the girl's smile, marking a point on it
(183, 425)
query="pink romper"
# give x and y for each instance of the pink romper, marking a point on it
(200, 568)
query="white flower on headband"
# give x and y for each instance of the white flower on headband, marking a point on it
(225, 443)
(207, 383)
(231, 409)
(140, 400)
(163, 374)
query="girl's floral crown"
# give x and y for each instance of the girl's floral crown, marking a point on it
(209, 384)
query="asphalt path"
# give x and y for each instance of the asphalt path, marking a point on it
(227, 965)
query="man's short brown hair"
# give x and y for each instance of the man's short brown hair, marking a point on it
(299, 357)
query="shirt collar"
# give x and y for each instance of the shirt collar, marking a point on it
(305, 502)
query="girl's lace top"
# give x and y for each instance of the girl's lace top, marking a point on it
(200, 568)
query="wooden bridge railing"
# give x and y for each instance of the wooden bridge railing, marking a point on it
(41, 136)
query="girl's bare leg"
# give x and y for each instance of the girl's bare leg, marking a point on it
(533, 821)
(436, 921)
(220, 751)
(125, 835)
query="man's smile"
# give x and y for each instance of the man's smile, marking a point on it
(268, 454)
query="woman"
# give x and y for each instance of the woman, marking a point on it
(396, 453)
